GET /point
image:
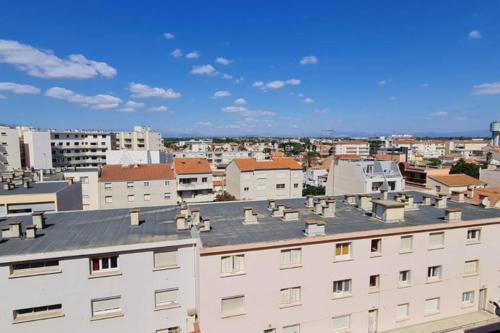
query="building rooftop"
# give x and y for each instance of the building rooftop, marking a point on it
(37, 188)
(188, 165)
(458, 179)
(114, 173)
(277, 163)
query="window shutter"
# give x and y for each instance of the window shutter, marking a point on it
(406, 243)
(285, 257)
(239, 263)
(285, 296)
(402, 311)
(104, 305)
(431, 305)
(163, 297)
(341, 322)
(165, 259)
(291, 329)
(296, 295)
(233, 305)
(227, 264)
(470, 267)
(296, 256)
(436, 239)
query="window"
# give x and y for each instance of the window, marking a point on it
(108, 186)
(173, 329)
(341, 288)
(434, 273)
(246, 189)
(270, 330)
(167, 182)
(147, 197)
(374, 282)
(341, 323)
(166, 298)
(376, 246)
(165, 259)
(291, 257)
(468, 298)
(166, 196)
(106, 307)
(295, 185)
(291, 329)
(233, 264)
(233, 306)
(436, 240)
(343, 250)
(471, 267)
(404, 278)
(406, 244)
(104, 264)
(473, 235)
(147, 184)
(84, 180)
(402, 311)
(280, 186)
(290, 296)
(431, 306)
(130, 185)
(204, 179)
(39, 312)
(131, 198)
(108, 199)
(34, 268)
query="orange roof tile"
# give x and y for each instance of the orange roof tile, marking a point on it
(459, 179)
(382, 157)
(250, 164)
(113, 173)
(187, 165)
(327, 162)
(493, 193)
(347, 157)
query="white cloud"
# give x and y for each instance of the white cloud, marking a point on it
(486, 89)
(223, 61)
(203, 70)
(44, 64)
(393, 98)
(233, 109)
(193, 55)
(221, 93)
(18, 88)
(100, 101)
(204, 123)
(277, 84)
(140, 90)
(243, 111)
(177, 53)
(320, 110)
(309, 60)
(134, 105)
(240, 101)
(474, 34)
(227, 77)
(383, 83)
(258, 84)
(293, 82)
(169, 35)
(161, 108)
(308, 100)
(439, 114)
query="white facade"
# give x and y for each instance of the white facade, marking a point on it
(88, 178)
(130, 157)
(316, 176)
(141, 138)
(195, 187)
(354, 147)
(37, 149)
(10, 151)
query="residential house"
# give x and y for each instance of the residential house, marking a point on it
(455, 184)
(194, 179)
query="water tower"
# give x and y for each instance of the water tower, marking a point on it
(495, 132)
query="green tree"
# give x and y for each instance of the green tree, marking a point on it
(309, 157)
(224, 197)
(313, 190)
(435, 162)
(467, 168)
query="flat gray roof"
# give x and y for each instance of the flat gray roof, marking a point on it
(36, 188)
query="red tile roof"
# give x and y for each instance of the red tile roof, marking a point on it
(114, 173)
(187, 165)
(459, 179)
(251, 164)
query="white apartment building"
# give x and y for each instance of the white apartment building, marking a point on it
(364, 177)
(97, 271)
(36, 148)
(80, 148)
(249, 179)
(143, 185)
(215, 157)
(351, 147)
(466, 148)
(422, 148)
(141, 138)
(10, 150)
(194, 179)
(88, 178)
(130, 157)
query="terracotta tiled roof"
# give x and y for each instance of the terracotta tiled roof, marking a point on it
(250, 164)
(459, 179)
(113, 173)
(493, 193)
(347, 157)
(327, 162)
(381, 157)
(188, 165)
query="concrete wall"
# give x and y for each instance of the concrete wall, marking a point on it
(10, 150)
(90, 187)
(196, 191)
(129, 157)
(37, 150)
(491, 177)
(70, 198)
(233, 180)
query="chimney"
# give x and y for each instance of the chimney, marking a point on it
(453, 214)
(204, 225)
(310, 201)
(314, 228)
(329, 210)
(250, 216)
(12, 231)
(322, 201)
(290, 215)
(278, 212)
(409, 202)
(27, 184)
(441, 201)
(31, 232)
(365, 202)
(389, 211)
(427, 200)
(70, 180)
(350, 199)
(134, 216)
(6, 186)
(181, 222)
(38, 220)
(195, 216)
(184, 209)
(318, 208)
(271, 204)
(385, 194)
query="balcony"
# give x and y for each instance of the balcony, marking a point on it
(194, 186)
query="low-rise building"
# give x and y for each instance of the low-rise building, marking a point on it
(122, 186)
(10, 150)
(491, 175)
(249, 179)
(88, 178)
(455, 184)
(488, 197)
(351, 147)
(418, 176)
(194, 179)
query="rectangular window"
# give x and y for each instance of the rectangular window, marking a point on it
(295, 185)
(406, 244)
(36, 313)
(173, 329)
(341, 323)
(291, 329)
(105, 307)
(402, 311)
(434, 273)
(471, 267)
(130, 185)
(376, 246)
(131, 198)
(343, 250)
(431, 306)
(104, 264)
(147, 184)
(167, 182)
(270, 330)
(280, 186)
(436, 240)
(204, 180)
(34, 268)
(468, 298)
(374, 282)
(166, 196)
(246, 189)
(108, 186)
(166, 298)
(233, 306)
(108, 199)
(147, 197)
(290, 296)
(233, 264)
(404, 278)
(84, 180)
(165, 259)
(291, 257)
(473, 235)
(341, 288)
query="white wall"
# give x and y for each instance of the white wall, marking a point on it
(10, 150)
(37, 150)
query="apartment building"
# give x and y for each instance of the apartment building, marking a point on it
(194, 179)
(408, 263)
(88, 178)
(26, 196)
(122, 186)
(10, 150)
(36, 148)
(80, 148)
(351, 147)
(130, 157)
(141, 138)
(423, 148)
(418, 176)
(364, 177)
(455, 184)
(97, 271)
(466, 148)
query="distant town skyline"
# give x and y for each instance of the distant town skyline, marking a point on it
(259, 68)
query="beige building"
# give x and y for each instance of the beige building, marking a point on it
(88, 178)
(455, 184)
(194, 179)
(249, 179)
(141, 138)
(122, 186)
(10, 150)
(351, 147)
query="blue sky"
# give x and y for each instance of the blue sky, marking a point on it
(291, 68)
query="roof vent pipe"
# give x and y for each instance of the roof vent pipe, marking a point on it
(13, 230)
(134, 216)
(31, 232)
(453, 214)
(38, 220)
(310, 201)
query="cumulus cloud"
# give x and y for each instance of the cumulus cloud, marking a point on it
(243, 111)
(193, 55)
(177, 53)
(258, 84)
(308, 100)
(161, 108)
(240, 101)
(233, 109)
(223, 61)
(203, 70)
(140, 90)
(17, 88)
(474, 34)
(221, 93)
(131, 106)
(100, 101)
(45, 64)
(293, 82)
(486, 89)
(309, 60)
(277, 84)
(169, 35)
